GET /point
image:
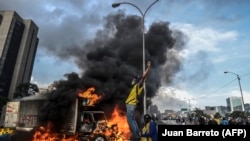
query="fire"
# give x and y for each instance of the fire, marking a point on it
(45, 134)
(119, 125)
(116, 128)
(90, 96)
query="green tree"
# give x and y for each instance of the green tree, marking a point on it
(217, 115)
(198, 112)
(25, 89)
(236, 114)
(3, 101)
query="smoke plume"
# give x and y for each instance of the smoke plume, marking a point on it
(110, 60)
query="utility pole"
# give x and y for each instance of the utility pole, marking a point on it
(242, 99)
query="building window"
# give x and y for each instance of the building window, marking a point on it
(1, 18)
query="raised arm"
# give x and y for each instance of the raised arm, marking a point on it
(145, 74)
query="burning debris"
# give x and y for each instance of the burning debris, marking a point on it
(119, 125)
(89, 124)
(45, 134)
(89, 97)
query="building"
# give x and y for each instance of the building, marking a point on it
(223, 110)
(247, 107)
(234, 104)
(210, 110)
(18, 45)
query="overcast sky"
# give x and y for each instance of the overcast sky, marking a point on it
(215, 38)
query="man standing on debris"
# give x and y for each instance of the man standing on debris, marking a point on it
(132, 101)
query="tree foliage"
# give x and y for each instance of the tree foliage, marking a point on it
(198, 112)
(3, 101)
(26, 89)
(217, 115)
(236, 114)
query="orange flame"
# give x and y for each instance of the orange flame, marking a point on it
(118, 130)
(45, 134)
(89, 94)
(117, 126)
(121, 130)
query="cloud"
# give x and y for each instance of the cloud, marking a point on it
(201, 45)
(50, 69)
(173, 98)
(202, 39)
(220, 59)
(201, 42)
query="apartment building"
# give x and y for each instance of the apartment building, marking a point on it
(18, 45)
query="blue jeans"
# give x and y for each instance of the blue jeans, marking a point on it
(131, 120)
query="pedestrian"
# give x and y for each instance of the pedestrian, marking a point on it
(183, 122)
(211, 121)
(217, 119)
(132, 101)
(149, 131)
(224, 121)
(201, 120)
(232, 121)
(248, 120)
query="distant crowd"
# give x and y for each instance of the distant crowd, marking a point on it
(220, 121)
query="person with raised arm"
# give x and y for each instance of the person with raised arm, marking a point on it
(132, 101)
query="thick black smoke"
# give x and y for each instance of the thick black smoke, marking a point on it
(60, 100)
(112, 58)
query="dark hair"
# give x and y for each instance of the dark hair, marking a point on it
(147, 117)
(137, 78)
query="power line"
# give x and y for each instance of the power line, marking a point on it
(212, 92)
(244, 75)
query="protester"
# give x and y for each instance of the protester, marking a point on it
(202, 120)
(224, 121)
(217, 119)
(183, 122)
(149, 131)
(211, 121)
(232, 121)
(248, 120)
(132, 101)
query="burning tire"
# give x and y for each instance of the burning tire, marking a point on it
(99, 138)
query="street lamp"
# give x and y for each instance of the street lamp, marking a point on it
(189, 105)
(114, 5)
(238, 77)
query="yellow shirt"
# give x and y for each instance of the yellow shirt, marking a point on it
(145, 130)
(132, 97)
(217, 120)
